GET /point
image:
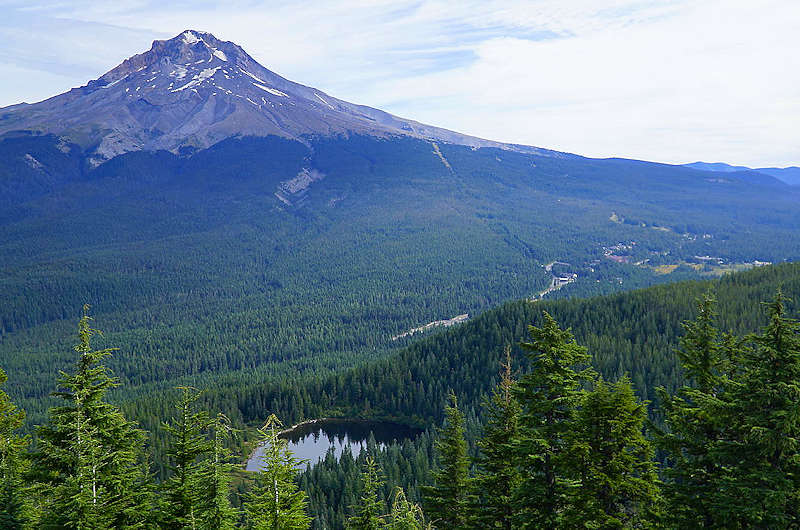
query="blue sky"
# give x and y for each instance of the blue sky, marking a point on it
(671, 80)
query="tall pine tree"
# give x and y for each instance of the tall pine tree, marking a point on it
(548, 395)
(215, 480)
(613, 462)
(497, 473)
(276, 502)
(447, 502)
(367, 513)
(762, 486)
(89, 462)
(694, 423)
(185, 491)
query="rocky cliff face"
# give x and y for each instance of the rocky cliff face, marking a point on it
(194, 90)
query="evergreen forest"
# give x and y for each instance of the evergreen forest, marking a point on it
(674, 406)
(205, 278)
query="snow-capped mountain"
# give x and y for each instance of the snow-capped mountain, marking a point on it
(195, 90)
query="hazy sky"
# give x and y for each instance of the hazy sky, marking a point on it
(670, 81)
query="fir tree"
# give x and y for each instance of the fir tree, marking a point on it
(447, 501)
(761, 488)
(215, 480)
(498, 475)
(693, 417)
(612, 460)
(405, 515)
(185, 491)
(276, 502)
(548, 395)
(89, 461)
(14, 504)
(700, 351)
(367, 513)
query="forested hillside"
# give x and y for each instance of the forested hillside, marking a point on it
(263, 257)
(554, 440)
(634, 334)
(631, 333)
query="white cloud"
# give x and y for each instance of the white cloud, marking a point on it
(708, 84)
(670, 81)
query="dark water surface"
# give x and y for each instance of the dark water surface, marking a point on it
(311, 441)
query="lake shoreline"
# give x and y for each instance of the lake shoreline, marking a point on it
(322, 422)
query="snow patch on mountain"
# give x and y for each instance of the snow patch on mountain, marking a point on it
(114, 82)
(189, 37)
(293, 190)
(179, 71)
(322, 100)
(274, 91)
(31, 161)
(245, 72)
(438, 153)
(207, 73)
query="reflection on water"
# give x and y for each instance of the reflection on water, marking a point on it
(313, 440)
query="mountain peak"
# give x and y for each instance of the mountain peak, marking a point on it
(194, 90)
(190, 36)
(190, 47)
(194, 42)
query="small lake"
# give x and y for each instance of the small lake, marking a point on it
(311, 441)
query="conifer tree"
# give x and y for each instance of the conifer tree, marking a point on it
(498, 476)
(612, 461)
(215, 480)
(762, 486)
(405, 515)
(700, 352)
(276, 502)
(14, 505)
(185, 491)
(693, 419)
(447, 501)
(548, 396)
(89, 462)
(367, 513)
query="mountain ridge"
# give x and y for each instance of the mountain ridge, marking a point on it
(789, 175)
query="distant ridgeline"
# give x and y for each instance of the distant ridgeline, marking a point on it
(631, 338)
